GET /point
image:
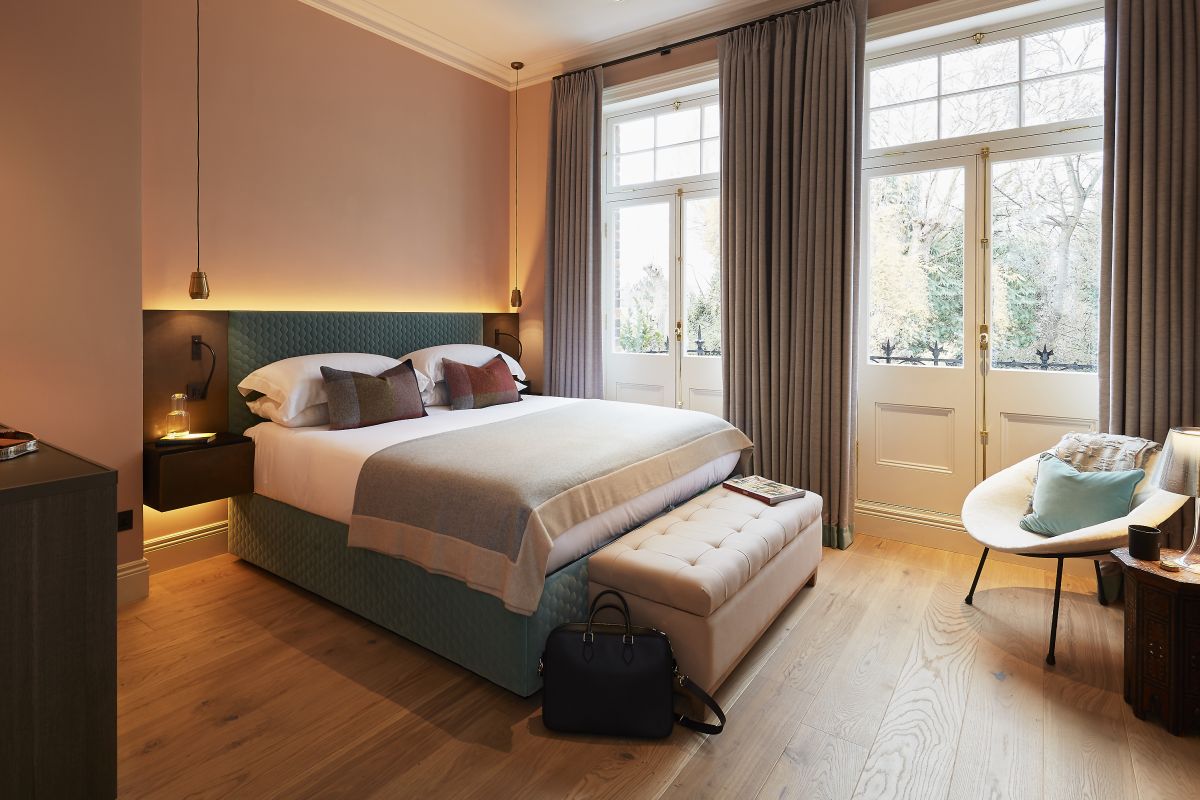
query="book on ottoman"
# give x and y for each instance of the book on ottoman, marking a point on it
(758, 487)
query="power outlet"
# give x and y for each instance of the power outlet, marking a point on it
(125, 520)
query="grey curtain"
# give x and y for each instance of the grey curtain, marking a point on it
(1149, 292)
(791, 92)
(574, 322)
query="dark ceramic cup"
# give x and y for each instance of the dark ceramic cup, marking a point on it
(1144, 542)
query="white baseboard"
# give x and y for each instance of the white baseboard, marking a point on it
(133, 581)
(946, 532)
(186, 547)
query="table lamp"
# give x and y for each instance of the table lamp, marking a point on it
(1179, 473)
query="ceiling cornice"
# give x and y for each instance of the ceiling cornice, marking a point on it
(369, 16)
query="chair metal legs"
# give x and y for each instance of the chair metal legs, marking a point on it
(1100, 585)
(971, 594)
(970, 599)
(1054, 617)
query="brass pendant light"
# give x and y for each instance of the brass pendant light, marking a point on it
(515, 299)
(198, 285)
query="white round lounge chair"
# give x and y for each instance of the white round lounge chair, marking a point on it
(994, 508)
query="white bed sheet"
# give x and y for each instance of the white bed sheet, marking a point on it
(316, 469)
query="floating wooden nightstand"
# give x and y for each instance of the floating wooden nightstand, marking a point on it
(181, 475)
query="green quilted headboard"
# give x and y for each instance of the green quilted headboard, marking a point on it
(257, 338)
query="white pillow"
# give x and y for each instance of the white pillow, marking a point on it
(296, 383)
(268, 409)
(438, 394)
(429, 360)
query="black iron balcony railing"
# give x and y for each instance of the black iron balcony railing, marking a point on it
(938, 358)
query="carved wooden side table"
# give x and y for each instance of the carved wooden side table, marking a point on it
(1162, 642)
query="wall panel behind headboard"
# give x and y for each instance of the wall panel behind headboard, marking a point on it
(257, 338)
(167, 367)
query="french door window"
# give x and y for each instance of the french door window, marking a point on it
(662, 282)
(979, 312)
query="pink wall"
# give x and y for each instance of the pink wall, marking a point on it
(531, 223)
(71, 330)
(341, 171)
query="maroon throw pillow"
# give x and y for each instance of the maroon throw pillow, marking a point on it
(479, 387)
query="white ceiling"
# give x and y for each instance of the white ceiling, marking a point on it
(481, 37)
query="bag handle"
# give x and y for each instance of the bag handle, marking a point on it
(591, 619)
(688, 685)
(614, 593)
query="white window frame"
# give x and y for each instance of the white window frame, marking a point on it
(691, 88)
(1086, 129)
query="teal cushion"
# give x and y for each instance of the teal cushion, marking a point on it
(1066, 499)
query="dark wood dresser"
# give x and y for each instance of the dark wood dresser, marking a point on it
(1162, 642)
(58, 627)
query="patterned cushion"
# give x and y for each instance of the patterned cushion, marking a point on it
(479, 387)
(1099, 452)
(357, 400)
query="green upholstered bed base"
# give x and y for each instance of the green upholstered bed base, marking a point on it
(439, 613)
(468, 627)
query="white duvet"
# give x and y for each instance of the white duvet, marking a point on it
(316, 469)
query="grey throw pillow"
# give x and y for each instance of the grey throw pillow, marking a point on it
(357, 400)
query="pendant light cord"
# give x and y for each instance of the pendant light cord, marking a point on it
(197, 135)
(516, 174)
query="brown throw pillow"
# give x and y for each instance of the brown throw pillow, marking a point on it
(479, 387)
(357, 400)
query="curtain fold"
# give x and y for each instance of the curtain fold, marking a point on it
(1149, 292)
(791, 97)
(574, 321)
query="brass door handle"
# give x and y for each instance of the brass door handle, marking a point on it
(985, 338)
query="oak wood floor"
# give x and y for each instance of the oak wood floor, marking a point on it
(877, 683)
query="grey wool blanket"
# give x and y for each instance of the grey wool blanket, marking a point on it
(485, 504)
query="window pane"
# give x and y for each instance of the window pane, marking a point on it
(916, 233)
(916, 122)
(678, 126)
(712, 121)
(1060, 99)
(978, 112)
(702, 276)
(637, 168)
(677, 162)
(1046, 263)
(711, 156)
(900, 83)
(636, 135)
(641, 249)
(1055, 52)
(980, 66)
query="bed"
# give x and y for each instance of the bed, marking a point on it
(297, 523)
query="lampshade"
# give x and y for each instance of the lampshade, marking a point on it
(198, 287)
(1179, 465)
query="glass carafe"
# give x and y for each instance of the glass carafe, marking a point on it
(179, 421)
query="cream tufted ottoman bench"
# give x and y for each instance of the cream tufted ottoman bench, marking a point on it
(713, 574)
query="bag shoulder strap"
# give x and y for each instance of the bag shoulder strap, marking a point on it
(688, 685)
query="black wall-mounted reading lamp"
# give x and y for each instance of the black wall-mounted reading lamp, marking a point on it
(199, 391)
(496, 341)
